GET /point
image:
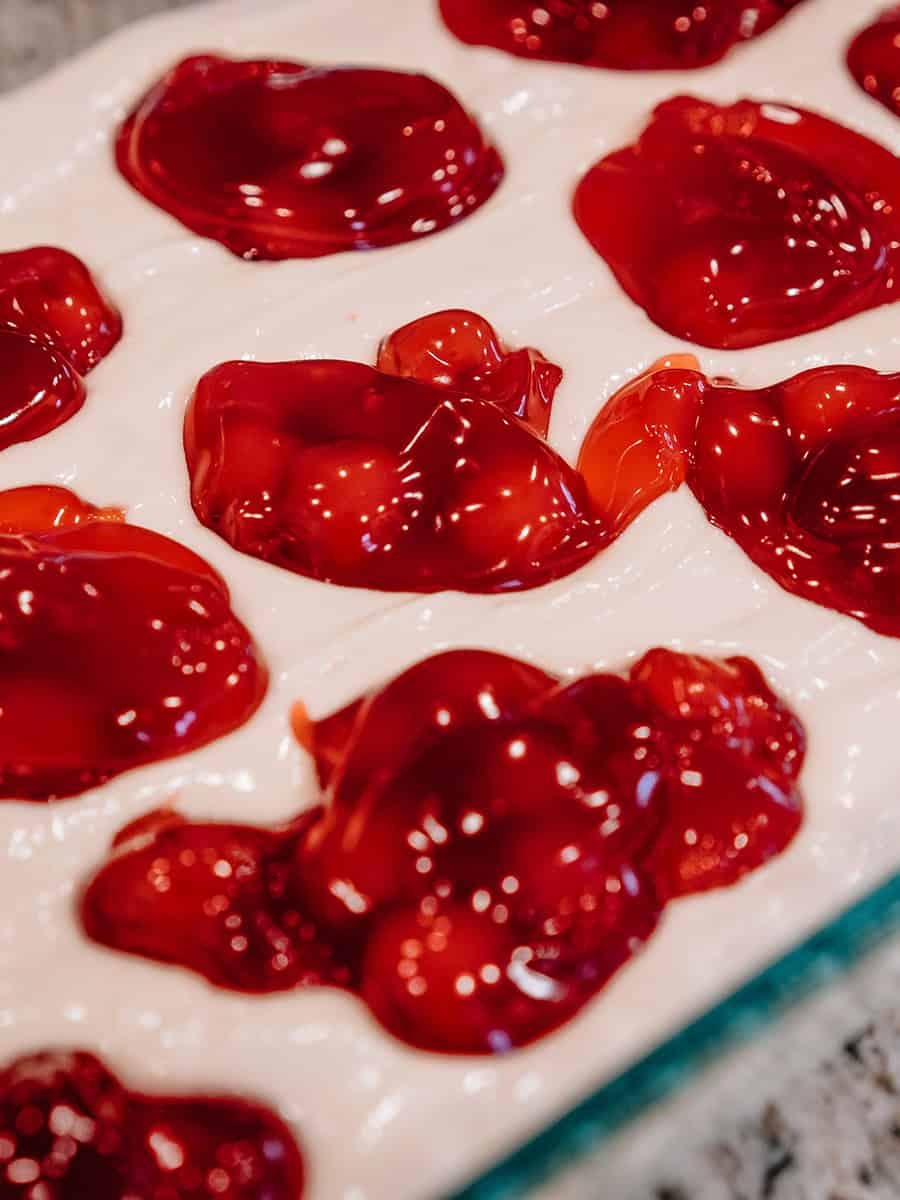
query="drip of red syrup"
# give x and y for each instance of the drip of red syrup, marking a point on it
(493, 846)
(874, 59)
(71, 1131)
(55, 326)
(626, 35)
(803, 475)
(280, 160)
(427, 473)
(119, 647)
(741, 225)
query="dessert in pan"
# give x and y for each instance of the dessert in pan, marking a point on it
(419, 663)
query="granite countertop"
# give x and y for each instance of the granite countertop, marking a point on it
(833, 1133)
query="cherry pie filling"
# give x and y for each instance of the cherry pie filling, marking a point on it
(626, 35)
(741, 225)
(429, 472)
(281, 160)
(493, 843)
(802, 475)
(69, 1130)
(80, 587)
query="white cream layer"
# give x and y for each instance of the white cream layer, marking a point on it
(376, 1119)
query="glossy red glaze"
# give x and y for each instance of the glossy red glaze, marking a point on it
(803, 475)
(119, 647)
(420, 483)
(874, 59)
(71, 1131)
(494, 844)
(280, 160)
(41, 390)
(55, 325)
(747, 224)
(627, 35)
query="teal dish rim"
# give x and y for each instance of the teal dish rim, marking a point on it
(823, 957)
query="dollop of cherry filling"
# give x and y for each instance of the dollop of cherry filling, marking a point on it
(55, 325)
(70, 1130)
(494, 843)
(874, 58)
(740, 225)
(627, 35)
(282, 160)
(119, 647)
(803, 475)
(424, 474)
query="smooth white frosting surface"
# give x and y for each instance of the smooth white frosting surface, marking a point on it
(376, 1119)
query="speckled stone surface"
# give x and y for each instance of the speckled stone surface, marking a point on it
(832, 1134)
(827, 1133)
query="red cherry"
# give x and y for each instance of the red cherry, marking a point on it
(280, 160)
(395, 481)
(344, 503)
(722, 823)
(751, 467)
(72, 1131)
(189, 1148)
(445, 694)
(823, 402)
(874, 59)
(40, 388)
(226, 889)
(743, 225)
(629, 35)
(179, 669)
(516, 512)
(65, 1118)
(55, 325)
(817, 509)
(50, 295)
(460, 350)
(731, 797)
(444, 979)
(493, 847)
